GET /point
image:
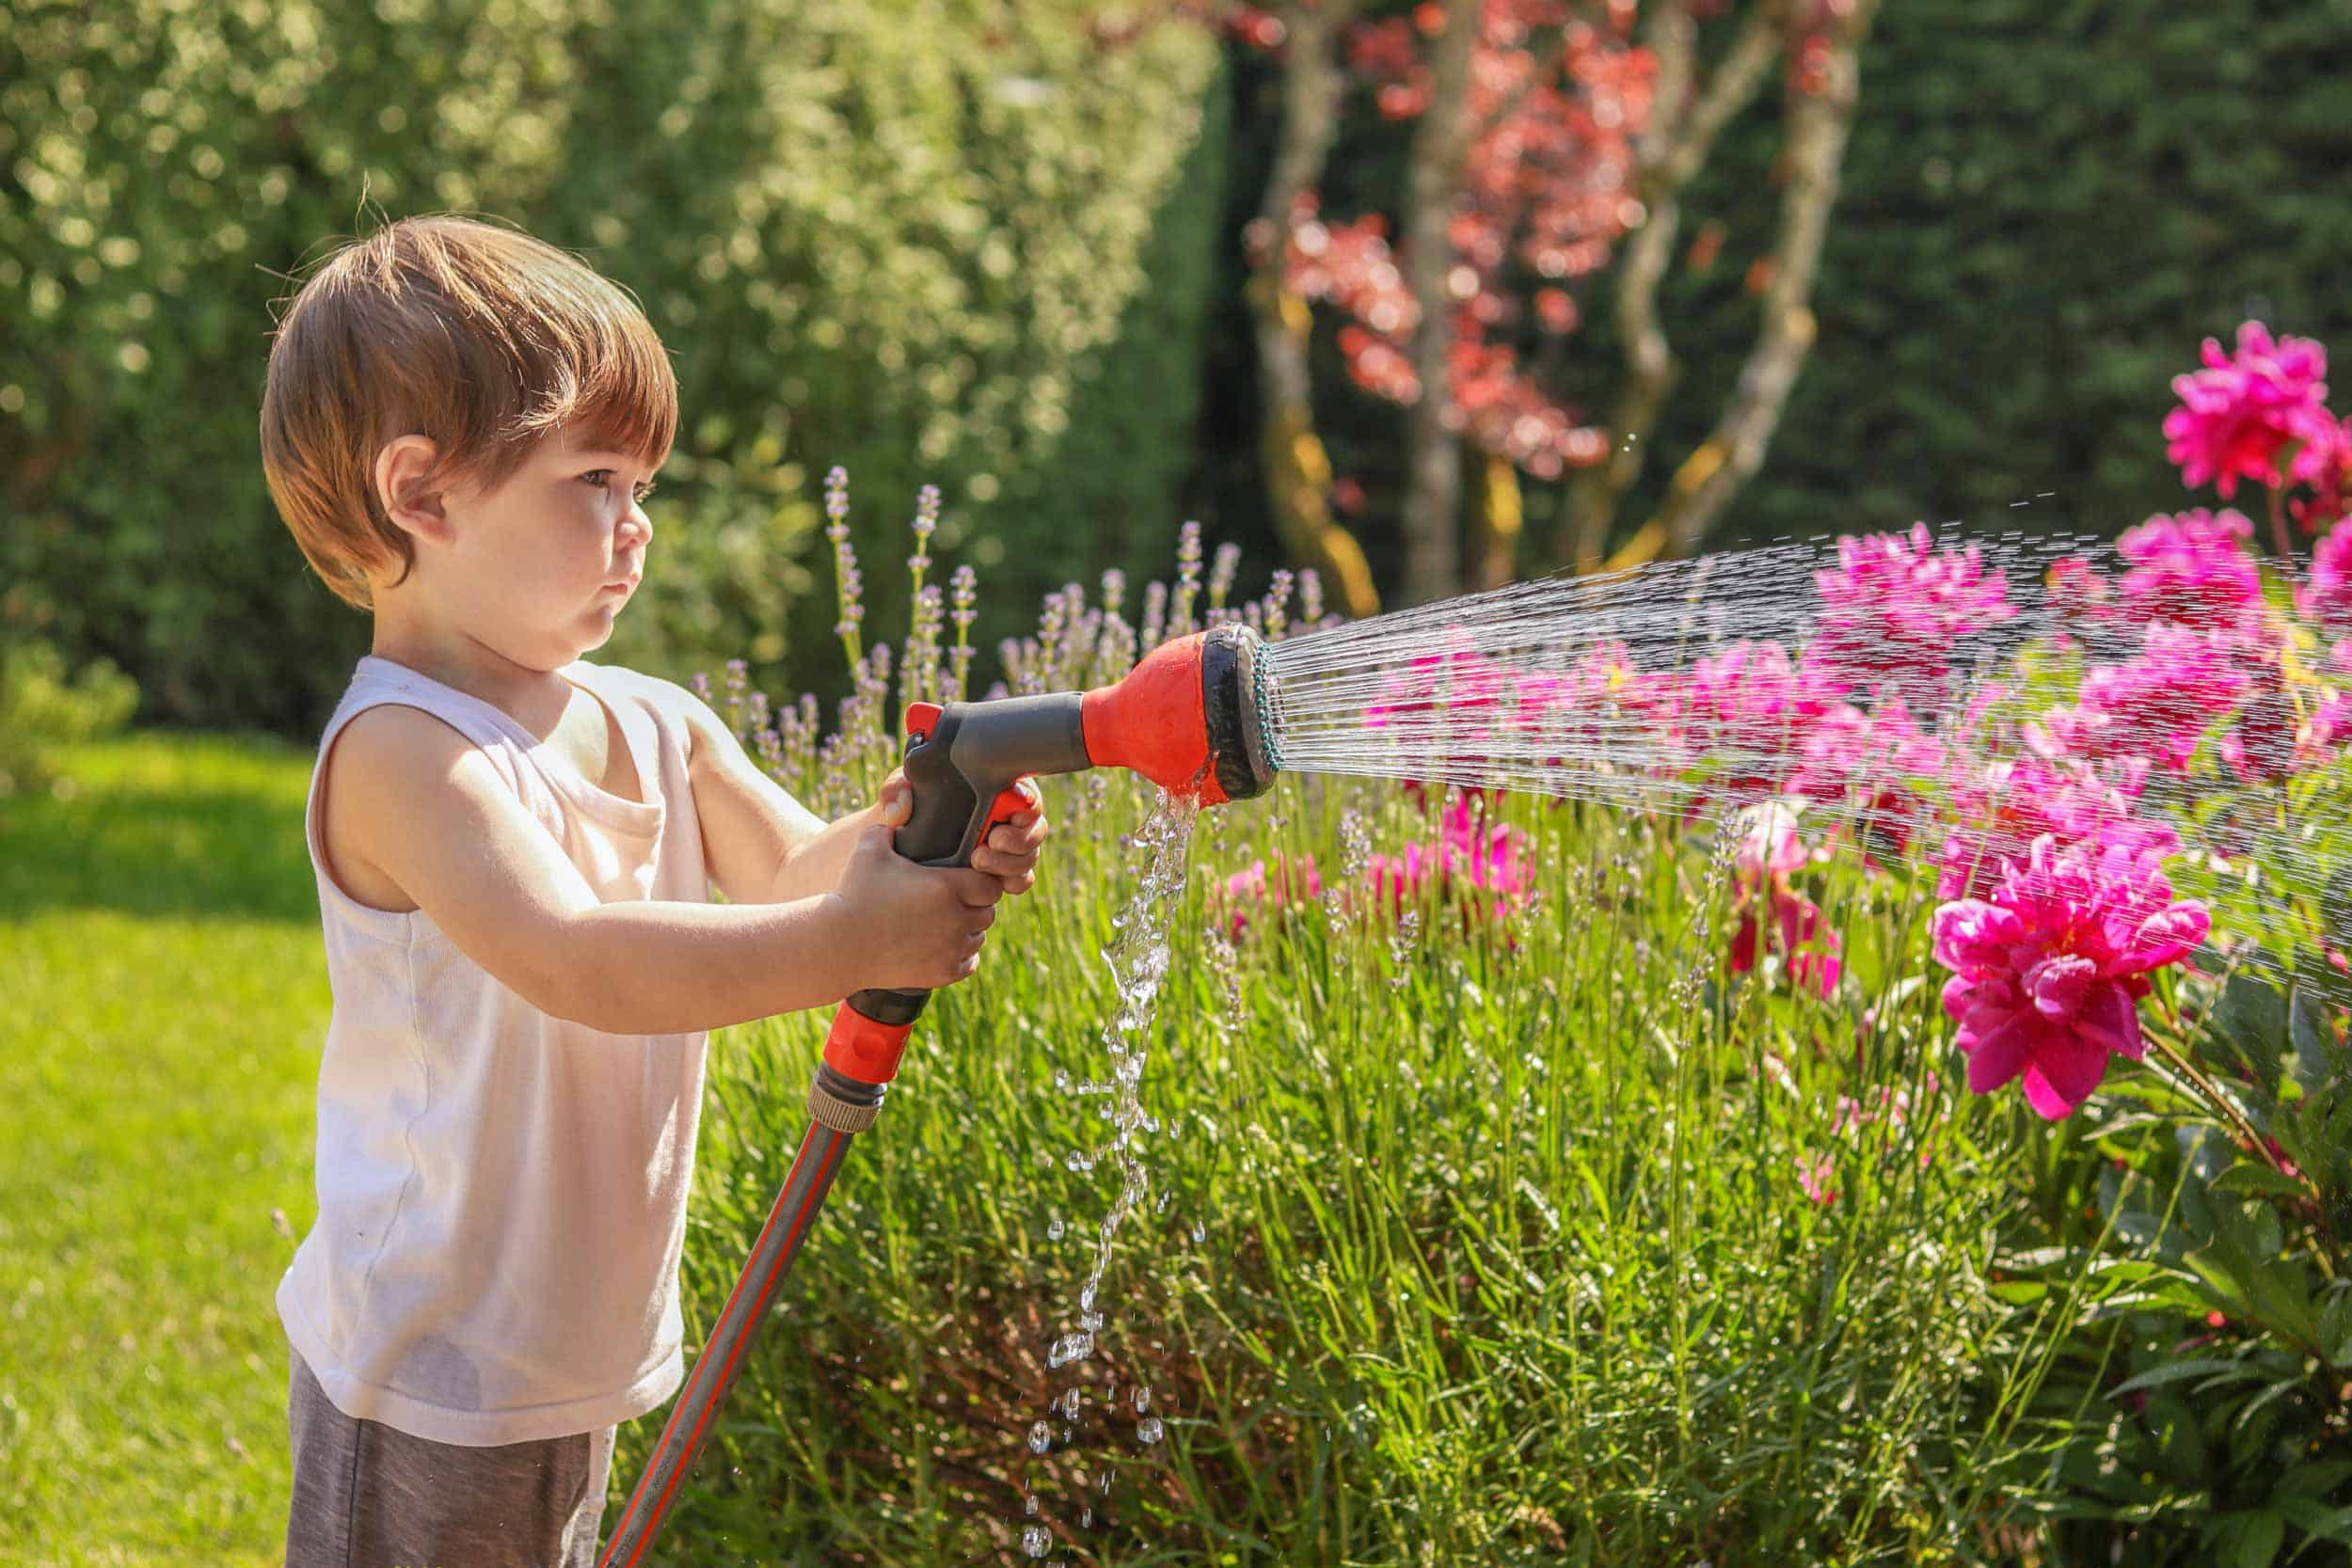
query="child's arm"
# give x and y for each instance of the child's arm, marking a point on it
(764, 846)
(419, 803)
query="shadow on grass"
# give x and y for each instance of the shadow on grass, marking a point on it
(182, 840)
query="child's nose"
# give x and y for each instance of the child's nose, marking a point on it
(635, 523)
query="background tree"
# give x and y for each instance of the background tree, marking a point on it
(1542, 134)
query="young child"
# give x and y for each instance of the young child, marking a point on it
(514, 851)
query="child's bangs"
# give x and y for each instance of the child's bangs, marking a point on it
(614, 390)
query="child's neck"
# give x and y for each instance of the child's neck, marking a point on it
(534, 697)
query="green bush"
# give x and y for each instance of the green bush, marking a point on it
(944, 240)
(43, 706)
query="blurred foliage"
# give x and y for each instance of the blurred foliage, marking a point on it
(43, 705)
(955, 240)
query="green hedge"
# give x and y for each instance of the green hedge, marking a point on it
(952, 242)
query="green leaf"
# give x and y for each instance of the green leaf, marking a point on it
(2307, 1027)
(2335, 1328)
(2253, 1177)
(2252, 1539)
(2178, 1371)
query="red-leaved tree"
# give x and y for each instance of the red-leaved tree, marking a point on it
(1544, 134)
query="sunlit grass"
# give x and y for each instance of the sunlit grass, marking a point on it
(159, 956)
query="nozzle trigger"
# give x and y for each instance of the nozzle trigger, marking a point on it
(922, 719)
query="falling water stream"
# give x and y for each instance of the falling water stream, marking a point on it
(1137, 958)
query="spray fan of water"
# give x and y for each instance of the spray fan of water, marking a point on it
(1918, 699)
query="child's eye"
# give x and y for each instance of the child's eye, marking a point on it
(600, 476)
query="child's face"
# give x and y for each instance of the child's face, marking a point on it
(539, 567)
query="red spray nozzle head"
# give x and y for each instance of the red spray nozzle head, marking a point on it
(1190, 718)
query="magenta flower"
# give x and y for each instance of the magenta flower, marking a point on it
(2047, 975)
(2327, 596)
(2078, 592)
(2242, 409)
(1253, 888)
(2191, 567)
(1866, 762)
(2010, 805)
(1769, 853)
(1894, 605)
(1480, 864)
(2156, 705)
(1746, 711)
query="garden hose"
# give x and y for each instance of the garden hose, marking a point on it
(1190, 717)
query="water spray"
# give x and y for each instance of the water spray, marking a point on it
(1193, 717)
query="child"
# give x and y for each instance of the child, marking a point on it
(514, 851)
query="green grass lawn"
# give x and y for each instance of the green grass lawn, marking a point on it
(166, 997)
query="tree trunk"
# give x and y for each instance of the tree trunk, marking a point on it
(1685, 118)
(1497, 518)
(1818, 123)
(1298, 472)
(1432, 495)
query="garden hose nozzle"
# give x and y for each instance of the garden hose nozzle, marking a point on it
(1192, 718)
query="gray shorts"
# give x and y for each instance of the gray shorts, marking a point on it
(366, 1495)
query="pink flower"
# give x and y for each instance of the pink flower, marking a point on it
(2048, 973)
(1894, 605)
(1250, 888)
(1769, 853)
(1745, 712)
(2237, 412)
(1813, 1177)
(2078, 592)
(2332, 486)
(1865, 761)
(2010, 805)
(2191, 567)
(2327, 596)
(2156, 705)
(1479, 863)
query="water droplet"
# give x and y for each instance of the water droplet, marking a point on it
(1054, 1229)
(1061, 1078)
(1041, 1439)
(1028, 1504)
(1085, 1299)
(1143, 1399)
(1033, 1540)
(1148, 1430)
(1200, 1232)
(1086, 1518)
(1069, 1348)
(1090, 1321)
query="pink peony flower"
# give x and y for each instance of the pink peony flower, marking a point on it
(2242, 409)
(2327, 596)
(1864, 761)
(2156, 705)
(2047, 974)
(1746, 712)
(2332, 486)
(2010, 805)
(1770, 852)
(2191, 567)
(1894, 605)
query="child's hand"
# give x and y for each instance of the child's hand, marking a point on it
(1007, 852)
(918, 926)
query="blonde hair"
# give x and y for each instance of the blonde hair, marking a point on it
(479, 337)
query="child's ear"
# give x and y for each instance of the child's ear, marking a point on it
(401, 468)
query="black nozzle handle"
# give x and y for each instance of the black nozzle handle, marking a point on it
(972, 754)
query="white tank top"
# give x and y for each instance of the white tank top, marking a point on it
(501, 1194)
